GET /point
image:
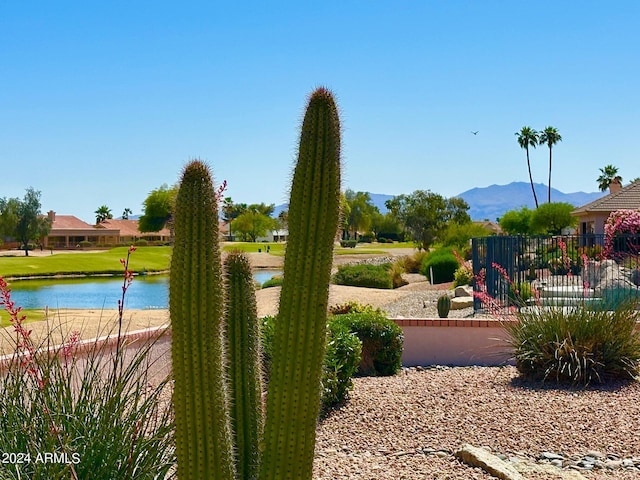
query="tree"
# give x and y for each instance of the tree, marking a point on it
(608, 174)
(103, 213)
(528, 137)
(425, 215)
(361, 212)
(126, 213)
(517, 222)
(22, 220)
(252, 224)
(552, 218)
(158, 208)
(550, 136)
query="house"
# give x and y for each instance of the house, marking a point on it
(129, 232)
(68, 231)
(592, 216)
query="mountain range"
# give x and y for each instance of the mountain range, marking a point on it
(490, 203)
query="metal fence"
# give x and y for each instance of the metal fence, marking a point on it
(559, 270)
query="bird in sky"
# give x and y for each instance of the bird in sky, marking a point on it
(476, 132)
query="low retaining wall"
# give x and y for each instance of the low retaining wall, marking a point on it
(455, 342)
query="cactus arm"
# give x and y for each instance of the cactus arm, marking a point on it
(245, 370)
(196, 305)
(299, 339)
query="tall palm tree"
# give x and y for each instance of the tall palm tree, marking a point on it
(609, 173)
(126, 213)
(550, 136)
(528, 137)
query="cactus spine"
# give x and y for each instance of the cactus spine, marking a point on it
(245, 369)
(204, 446)
(444, 305)
(293, 400)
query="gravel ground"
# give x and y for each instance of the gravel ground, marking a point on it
(408, 426)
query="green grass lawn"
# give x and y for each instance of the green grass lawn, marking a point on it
(149, 259)
(250, 247)
(33, 315)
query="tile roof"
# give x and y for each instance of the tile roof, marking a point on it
(69, 222)
(129, 228)
(627, 198)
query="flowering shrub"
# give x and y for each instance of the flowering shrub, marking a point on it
(620, 222)
(102, 420)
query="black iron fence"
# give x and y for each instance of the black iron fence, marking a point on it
(559, 270)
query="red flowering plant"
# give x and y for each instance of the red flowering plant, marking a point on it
(100, 419)
(577, 344)
(622, 234)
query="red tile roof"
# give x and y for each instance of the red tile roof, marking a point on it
(627, 198)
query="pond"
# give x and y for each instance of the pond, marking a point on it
(146, 292)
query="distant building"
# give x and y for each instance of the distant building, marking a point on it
(68, 231)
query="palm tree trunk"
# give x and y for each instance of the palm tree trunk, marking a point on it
(549, 200)
(535, 198)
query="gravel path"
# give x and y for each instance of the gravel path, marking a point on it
(408, 426)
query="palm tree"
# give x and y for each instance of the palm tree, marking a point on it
(550, 136)
(126, 213)
(528, 137)
(103, 213)
(609, 173)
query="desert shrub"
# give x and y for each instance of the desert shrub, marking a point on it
(382, 342)
(520, 293)
(462, 276)
(341, 361)
(342, 357)
(413, 263)
(442, 263)
(577, 345)
(396, 269)
(366, 238)
(363, 275)
(352, 307)
(348, 243)
(275, 281)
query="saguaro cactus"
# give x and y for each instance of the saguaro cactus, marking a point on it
(204, 446)
(293, 400)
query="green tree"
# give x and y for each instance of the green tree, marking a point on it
(550, 136)
(103, 213)
(517, 222)
(387, 226)
(252, 224)
(232, 210)
(608, 174)
(22, 220)
(425, 215)
(158, 209)
(361, 212)
(552, 218)
(528, 137)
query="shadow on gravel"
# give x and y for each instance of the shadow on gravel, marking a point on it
(608, 385)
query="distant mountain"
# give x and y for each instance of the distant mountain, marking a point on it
(493, 201)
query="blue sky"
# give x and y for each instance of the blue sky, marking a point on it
(102, 102)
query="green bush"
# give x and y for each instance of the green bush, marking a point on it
(442, 263)
(371, 276)
(577, 345)
(83, 244)
(366, 238)
(462, 276)
(275, 281)
(342, 357)
(382, 342)
(348, 243)
(520, 293)
(141, 242)
(352, 307)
